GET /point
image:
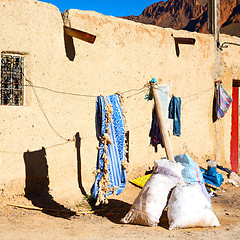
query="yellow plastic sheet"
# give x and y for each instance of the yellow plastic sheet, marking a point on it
(140, 182)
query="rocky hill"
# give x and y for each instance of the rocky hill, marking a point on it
(191, 15)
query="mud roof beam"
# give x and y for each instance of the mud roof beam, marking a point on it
(182, 40)
(87, 37)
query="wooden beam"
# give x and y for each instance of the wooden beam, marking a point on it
(161, 122)
(87, 37)
(182, 40)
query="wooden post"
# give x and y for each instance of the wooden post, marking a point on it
(210, 17)
(216, 16)
(213, 27)
(213, 18)
(161, 121)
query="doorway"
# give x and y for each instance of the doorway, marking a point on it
(234, 146)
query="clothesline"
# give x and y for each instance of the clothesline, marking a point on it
(94, 137)
(44, 114)
(137, 90)
(193, 95)
(52, 146)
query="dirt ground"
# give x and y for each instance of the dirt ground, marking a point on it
(19, 223)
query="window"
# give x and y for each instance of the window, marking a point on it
(12, 77)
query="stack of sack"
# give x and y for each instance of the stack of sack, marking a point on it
(187, 201)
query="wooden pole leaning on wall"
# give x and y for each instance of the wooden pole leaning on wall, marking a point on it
(161, 121)
(213, 28)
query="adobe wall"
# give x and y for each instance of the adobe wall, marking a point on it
(125, 56)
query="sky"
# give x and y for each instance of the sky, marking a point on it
(116, 8)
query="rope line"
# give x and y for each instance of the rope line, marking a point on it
(199, 93)
(194, 95)
(137, 90)
(136, 93)
(60, 92)
(225, 45)
(52, 146)
(43, 112)
(78, 94)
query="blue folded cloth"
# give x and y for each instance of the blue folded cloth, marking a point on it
(211, 176)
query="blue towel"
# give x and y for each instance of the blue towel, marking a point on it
(116, 151)
(174, 112)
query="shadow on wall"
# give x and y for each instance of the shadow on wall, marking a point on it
(79, 165)
(69, 47)
(214, 106)
(37, 185)
(177, 49)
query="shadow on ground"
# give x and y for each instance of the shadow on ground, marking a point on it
(37, 185)
(115, 210)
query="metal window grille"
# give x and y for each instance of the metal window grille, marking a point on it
(12, 80)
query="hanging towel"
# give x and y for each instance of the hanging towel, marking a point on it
(115, 150)
(155, 134)
(223, 101)
(174, 112)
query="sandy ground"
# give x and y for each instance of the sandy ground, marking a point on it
(18, 223)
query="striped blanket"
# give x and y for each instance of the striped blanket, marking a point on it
(223, 101)
(115, 150)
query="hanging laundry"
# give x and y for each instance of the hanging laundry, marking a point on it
(222, 101)
(110, 128)
(155, 134)
(174, 112)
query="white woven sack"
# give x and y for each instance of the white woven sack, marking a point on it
(148, 206)
(188, 207)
